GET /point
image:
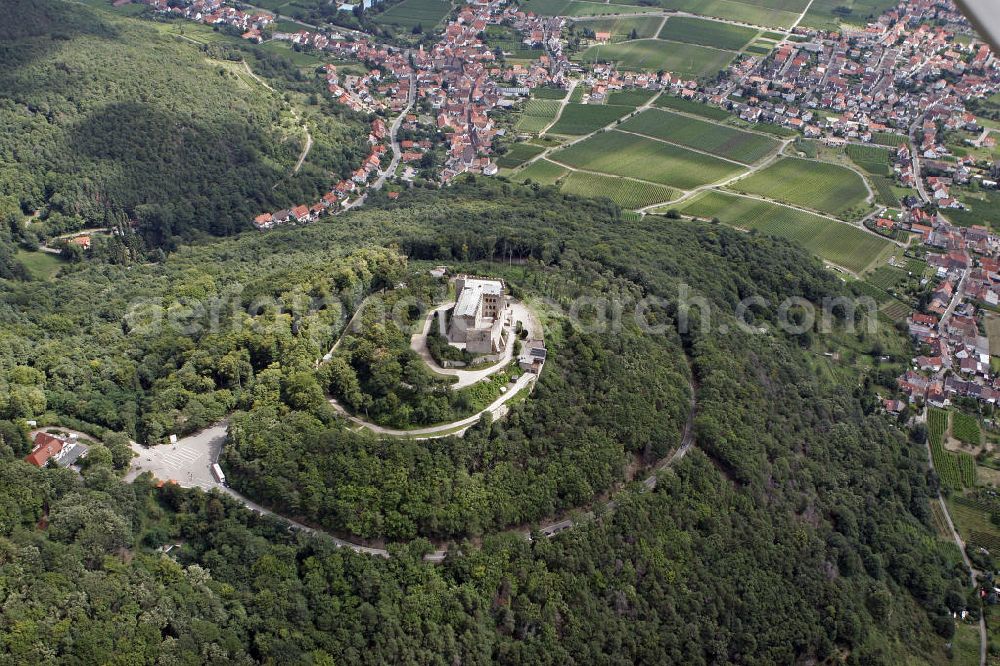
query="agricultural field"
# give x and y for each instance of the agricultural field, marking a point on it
(982, 207)
(885, 192)
(631, 98)
(546, 92)
(577, 8)
(651, 55)
(578, 119)
(623, 28)
(629, 194)
(542, 172)
(537, 115)
(887, 278)
(707, 33)
(838, 243)
(829, 14)
(972, 513)
(509, 40)
(759, 48)
(769, 13)
(888, 139)
(965, 428)
(817, 185)
(694, 108)
(954, 469)
(727, 142)
(622, 154)
(872, 159)
(518, 154)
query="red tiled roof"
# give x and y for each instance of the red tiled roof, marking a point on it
(46, 446)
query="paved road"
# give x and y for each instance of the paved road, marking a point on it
(497, 409)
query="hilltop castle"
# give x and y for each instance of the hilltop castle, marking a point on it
(477, 319)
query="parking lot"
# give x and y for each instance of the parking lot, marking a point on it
(188, 462)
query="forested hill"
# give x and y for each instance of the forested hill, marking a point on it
(104, 120)
(796, 530)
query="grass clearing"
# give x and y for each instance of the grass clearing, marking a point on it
(622, 154)
(651, 55)
(707, 33)
(727, 142)
(817, 185)
(838, 243)
(628, 194)
(41, 265)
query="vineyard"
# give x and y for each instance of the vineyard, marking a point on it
(631, 98)
(873, 159)
(537, 114)
(887, 277)
(707, 33)
(629, 194)
(621, 154)
(651, 55)
(956, 470)
(973, 514)
(889, 139)
(577, 119)
(842, 244)
(965, 428)
(692, 107)
(518, 154)
(817, 185)
(727, 142)
(542, 172)
(884, 192)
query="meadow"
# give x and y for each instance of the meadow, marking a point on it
(839, 243)
(579, 119)
(707, 33)
(687, 60)
(628, 194)
(816, 185)
(728, 142)
(622, 154)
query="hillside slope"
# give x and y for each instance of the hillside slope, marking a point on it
(797, 529)
(103, 119)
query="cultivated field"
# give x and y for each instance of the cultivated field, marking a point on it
(626, 193)
(577, 8)
(817, 185)
(542, 172)
(829, 14)
(579, 119)
(772, 14)
(689, 60)
(888, 139)
(622, 154)
(409, 13)
(518, 154)
(884, 192)
(706, 33)
(839, 243)
(692, 107)
(727, 142)
(545, 92)
(621, 28)
(537, 114)
(873, 159)
(631, 98)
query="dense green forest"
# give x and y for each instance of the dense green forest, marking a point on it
(797, 527)
(105, 122)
